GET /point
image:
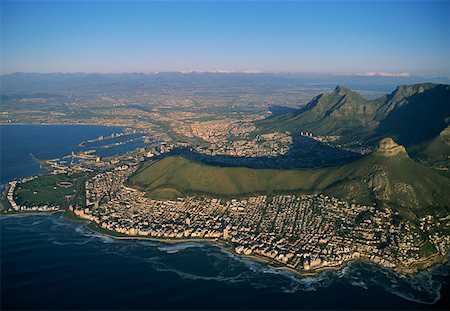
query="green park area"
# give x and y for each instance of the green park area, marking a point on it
(52, 190)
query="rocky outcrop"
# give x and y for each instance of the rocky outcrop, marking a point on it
(389, 148)
(379, 183)
(445, 135)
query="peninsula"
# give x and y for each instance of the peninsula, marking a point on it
(383, 206)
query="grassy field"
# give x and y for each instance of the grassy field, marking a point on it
(398, 181)
(426, 250)
(51, 190)
(179, 175)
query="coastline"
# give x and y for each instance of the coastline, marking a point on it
(424, 264)
(419, 266)
(35, 213)
(4, 203)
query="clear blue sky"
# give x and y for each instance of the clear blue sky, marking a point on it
(294, 36)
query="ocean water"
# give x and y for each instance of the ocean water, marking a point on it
(50, 263)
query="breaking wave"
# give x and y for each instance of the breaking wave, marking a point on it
(422, 287)
(175, 248)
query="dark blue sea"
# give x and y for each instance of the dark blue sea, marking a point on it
(19, 143)
(50, 263)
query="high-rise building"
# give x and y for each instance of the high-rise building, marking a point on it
(226, 235)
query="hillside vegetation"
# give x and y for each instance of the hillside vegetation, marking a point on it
(388, 176)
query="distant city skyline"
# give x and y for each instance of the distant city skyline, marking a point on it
(365, 38)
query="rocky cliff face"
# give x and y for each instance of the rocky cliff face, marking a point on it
(378, 182)
(389, 148)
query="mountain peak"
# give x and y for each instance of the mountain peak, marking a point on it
(342, 90)
(389, 148)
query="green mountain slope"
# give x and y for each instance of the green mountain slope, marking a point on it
(411, 114)
(335, 113)
(388, 176)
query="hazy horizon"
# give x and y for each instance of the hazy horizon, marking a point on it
(313, 75)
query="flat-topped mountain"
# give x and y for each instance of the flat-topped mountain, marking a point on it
(387, 177)
(411, 114)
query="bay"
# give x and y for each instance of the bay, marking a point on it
(19, 143)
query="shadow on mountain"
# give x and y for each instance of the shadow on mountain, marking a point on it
(277, 110)
(304, 153)
(422, 118)
(411, 114)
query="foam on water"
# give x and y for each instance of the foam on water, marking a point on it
(222, 265)
(191, 276)
(420, 287)
(175, 248)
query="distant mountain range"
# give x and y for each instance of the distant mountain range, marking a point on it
(412, 114)
(77, 83)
